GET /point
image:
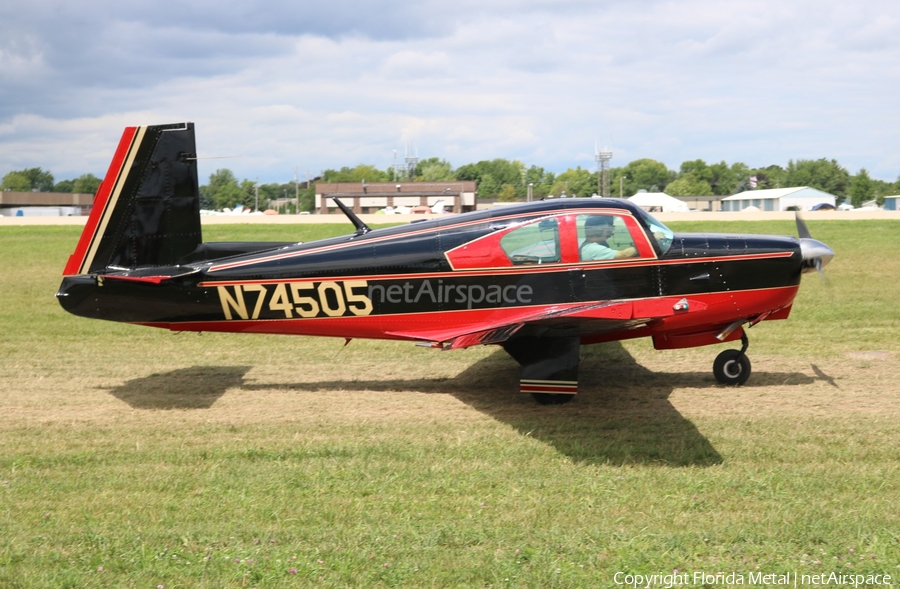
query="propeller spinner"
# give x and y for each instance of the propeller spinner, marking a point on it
(816, 254)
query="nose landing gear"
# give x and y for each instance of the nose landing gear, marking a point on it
(732, 367)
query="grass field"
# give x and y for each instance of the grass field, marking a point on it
(133, 457)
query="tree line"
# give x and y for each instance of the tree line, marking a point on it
(38, 180)
(511, 180)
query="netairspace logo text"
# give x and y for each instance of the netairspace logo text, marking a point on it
(793, 579)
(438, 292)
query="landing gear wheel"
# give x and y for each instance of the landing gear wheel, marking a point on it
(732, 367)
(551, 399)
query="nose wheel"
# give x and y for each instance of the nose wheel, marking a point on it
(732, 367)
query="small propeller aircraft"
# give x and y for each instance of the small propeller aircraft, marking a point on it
(539, 279)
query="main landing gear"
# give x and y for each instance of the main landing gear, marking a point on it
(549, 366)
(732, 367)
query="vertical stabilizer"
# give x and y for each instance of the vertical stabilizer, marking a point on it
(147, 209)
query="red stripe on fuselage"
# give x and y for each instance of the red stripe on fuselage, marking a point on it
(722, 309)
(101, 199)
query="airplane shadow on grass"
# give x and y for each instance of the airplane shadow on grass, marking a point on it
(621, 415)
(197, 387)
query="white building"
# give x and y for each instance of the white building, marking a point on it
(892, 203)
(802, 198)
(659, 202)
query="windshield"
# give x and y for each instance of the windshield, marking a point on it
(660, 232)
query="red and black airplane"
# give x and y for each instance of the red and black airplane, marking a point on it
(539, 279)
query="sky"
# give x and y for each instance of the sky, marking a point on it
(281, 86)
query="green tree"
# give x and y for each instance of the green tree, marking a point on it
(41, 180)
(64, 186)
(223, 189)
(541, 181)
(491, 175)
(86, 184)
(882, 188)
(773, 176)
(507, 193)
(617, 183)
(726, 179)
(577, 182)
(206, 201)
(248, 188)
(308, 198)
(357, 174)
(16, 182)
(646, 174)
(488, 186)
(826, 175)
(698, 170)
(861, 188)
(688, 185)
(434, 170)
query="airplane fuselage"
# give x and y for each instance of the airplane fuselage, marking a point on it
(399, 283)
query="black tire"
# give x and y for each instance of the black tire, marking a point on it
(551, 398)
(732, 367)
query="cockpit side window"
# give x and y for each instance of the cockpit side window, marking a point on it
(534, 243)
(604, 237)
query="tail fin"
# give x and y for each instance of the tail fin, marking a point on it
(147, 210)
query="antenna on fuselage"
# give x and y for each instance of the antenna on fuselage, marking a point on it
(361, 228)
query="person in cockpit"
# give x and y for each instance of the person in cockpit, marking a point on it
(597, 231)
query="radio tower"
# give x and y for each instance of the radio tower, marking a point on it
(602, 157)
(411, 162)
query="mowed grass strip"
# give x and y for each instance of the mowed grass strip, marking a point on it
(134, 457)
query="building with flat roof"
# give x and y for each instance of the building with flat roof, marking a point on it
(361, 197)
(54, 203)
(799, 198)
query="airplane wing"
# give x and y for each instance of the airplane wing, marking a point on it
(616, 312)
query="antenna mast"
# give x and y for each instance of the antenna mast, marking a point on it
(411, 162)
(602, 157)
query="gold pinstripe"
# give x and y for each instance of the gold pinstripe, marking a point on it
(113, 199)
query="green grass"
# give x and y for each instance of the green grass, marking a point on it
(223, 460)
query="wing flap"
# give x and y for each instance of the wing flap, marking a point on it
(505, 327)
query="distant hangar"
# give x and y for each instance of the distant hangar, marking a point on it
(801, 198)
(457, 196)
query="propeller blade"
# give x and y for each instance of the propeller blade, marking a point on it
(802, 231)
(820, 269)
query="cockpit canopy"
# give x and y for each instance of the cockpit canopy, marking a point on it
(561, 238)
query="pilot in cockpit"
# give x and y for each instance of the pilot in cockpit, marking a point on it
(597, 231)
